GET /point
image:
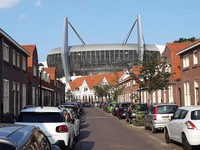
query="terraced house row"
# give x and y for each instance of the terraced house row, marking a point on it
(22, 83)
(184, 90)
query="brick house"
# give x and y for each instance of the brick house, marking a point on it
(173, 93)
(190, 74)
(13, 75)
(33, 77)
(58, 94)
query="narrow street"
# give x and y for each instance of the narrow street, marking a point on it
(102, 131)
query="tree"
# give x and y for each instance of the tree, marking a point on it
(182, 40)
(102, 90)
(117, 89)
(153, 75)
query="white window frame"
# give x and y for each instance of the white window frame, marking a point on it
(159, 96)
(14, 97)
(18, 60)
(14, 57)
(186, 61)
(195, 58)
(6, 95)
(187, 93)
(5, 52)
(170, 92)
(34, 70)
(33, 95)
(196, 93)
(24, 63)
(23, 95)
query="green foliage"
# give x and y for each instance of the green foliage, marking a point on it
(153, 75)
(139, 120)
(182, 40)
(102, 90)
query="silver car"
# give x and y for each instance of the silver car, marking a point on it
(158, 115)
(18, 137)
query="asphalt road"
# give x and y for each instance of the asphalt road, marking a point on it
(102, 131)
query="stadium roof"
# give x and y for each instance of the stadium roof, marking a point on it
(99, 47)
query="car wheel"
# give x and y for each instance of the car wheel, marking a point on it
(145, 126)
(186, 145)
(167, 138)
(153, 129)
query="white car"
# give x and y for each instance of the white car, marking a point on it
(52, 122)
(184, 127)
(76, 122)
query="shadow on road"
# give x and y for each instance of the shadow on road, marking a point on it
(85, 145)
(84, 134)
(84, 126)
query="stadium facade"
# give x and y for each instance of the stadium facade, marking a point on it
(98, 58)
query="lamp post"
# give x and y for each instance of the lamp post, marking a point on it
(40, 65)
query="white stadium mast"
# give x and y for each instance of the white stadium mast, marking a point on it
(140, 38)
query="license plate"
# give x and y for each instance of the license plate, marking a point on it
(165, 118)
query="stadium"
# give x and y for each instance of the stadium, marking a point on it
(87, 59)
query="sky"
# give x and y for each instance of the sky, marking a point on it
(41, 22)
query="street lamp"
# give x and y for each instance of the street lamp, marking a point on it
(40, 65)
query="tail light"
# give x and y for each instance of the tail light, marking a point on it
(190, 125)
(154, 117)
(155, 110)
(62, 128)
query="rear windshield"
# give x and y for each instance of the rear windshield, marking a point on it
(166, 109)
(195, 115)
(40, 117)
(126, 105)
(142, 107)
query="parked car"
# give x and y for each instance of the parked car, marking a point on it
(72, 107)
(51, 121)
(158, 115)
(110, 106)
(75, 119)
(121, 111)
(18, 137)
(184, 127)
(133, 109)
(115, 109)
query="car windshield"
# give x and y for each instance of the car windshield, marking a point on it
(4, 146)
(40, 117)
(142, 107)
(166, 109)
(195, 115)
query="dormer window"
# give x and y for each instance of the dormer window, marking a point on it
(85, 89)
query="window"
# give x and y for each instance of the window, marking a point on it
(5, 52)
(14, 97)
(14, 57)
(159, 96)
(34, 70)
(185, 61)
(18, 60)
(24, 63)
(171, 97)
(187, 93)
(5, 96)
(195, 58)
(196, 93)
(23, 95)
(33, 95)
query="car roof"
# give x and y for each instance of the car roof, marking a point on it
(162, 104)
(190, 108)
(41, 109)
(12, 134)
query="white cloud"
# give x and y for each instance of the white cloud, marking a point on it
(22, 17)
(38, 3)
(8, 3)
